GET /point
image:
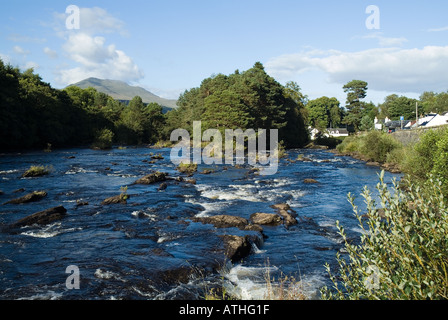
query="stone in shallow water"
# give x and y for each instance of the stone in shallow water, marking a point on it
(42, 217)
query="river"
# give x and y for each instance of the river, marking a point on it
(150, 248)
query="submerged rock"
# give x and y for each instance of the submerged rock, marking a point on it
(30, 197)
(42, 217)
(152, 178)
(162, 186)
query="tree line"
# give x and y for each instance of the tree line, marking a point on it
(35, 115)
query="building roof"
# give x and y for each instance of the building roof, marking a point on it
(337, 130)
(396, 123)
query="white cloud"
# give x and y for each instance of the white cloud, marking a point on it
(30, 65)
(96, 59)
(92, 21)
(386, 41)
(438, 29)
(385, 69)
(19, 50)
(91, 53)
(97, 20)
(5, 58)
(15, 37)
(50, 53)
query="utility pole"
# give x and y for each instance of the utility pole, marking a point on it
(416, 114)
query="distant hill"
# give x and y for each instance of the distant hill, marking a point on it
(120, 90)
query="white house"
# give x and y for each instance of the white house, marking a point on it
(438, 120)
(328, 133)
(378, 124)
(338, 132)
(426, 119)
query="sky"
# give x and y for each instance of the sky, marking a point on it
(169, 46)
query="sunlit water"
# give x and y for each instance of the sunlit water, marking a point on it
(150, 248)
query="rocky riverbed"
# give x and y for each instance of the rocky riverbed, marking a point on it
(139, 228)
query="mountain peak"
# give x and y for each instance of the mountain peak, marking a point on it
(122, 91)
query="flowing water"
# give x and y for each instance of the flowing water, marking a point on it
(150, 248)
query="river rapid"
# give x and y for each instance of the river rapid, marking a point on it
(150, 248)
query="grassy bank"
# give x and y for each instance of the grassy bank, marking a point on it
(418, 160)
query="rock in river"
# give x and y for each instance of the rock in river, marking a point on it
(236, 247)
(42, 217)
(309, 180)
(266, 219)
(122, 199)
(152, 178)
(228, 221)
(288, 214)
(30, 197)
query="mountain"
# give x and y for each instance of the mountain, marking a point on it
(122, 91)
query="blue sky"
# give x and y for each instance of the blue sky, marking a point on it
(172, 45)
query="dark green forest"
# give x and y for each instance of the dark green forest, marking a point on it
(250, 99)
(35, 115)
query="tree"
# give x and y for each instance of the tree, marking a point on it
(134, 122)
(356, 91)
(156, 121)
(395, 106)
(244, 100)
(324, 113)
(434, 102)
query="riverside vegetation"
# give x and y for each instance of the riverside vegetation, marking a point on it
(403, 252)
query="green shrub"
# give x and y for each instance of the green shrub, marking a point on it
(377, 145)
(430, 157)
(373, 145)
(349, 144)
(403, 251)
(103, 139)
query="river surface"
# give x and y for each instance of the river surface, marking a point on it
(150, 248)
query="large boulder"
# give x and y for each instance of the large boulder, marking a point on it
(289, 215)
(30, 197)
(236, 247)
(42, 217)
(153, 178)
(266, 219)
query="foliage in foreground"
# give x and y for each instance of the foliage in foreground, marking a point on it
(403, 253)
